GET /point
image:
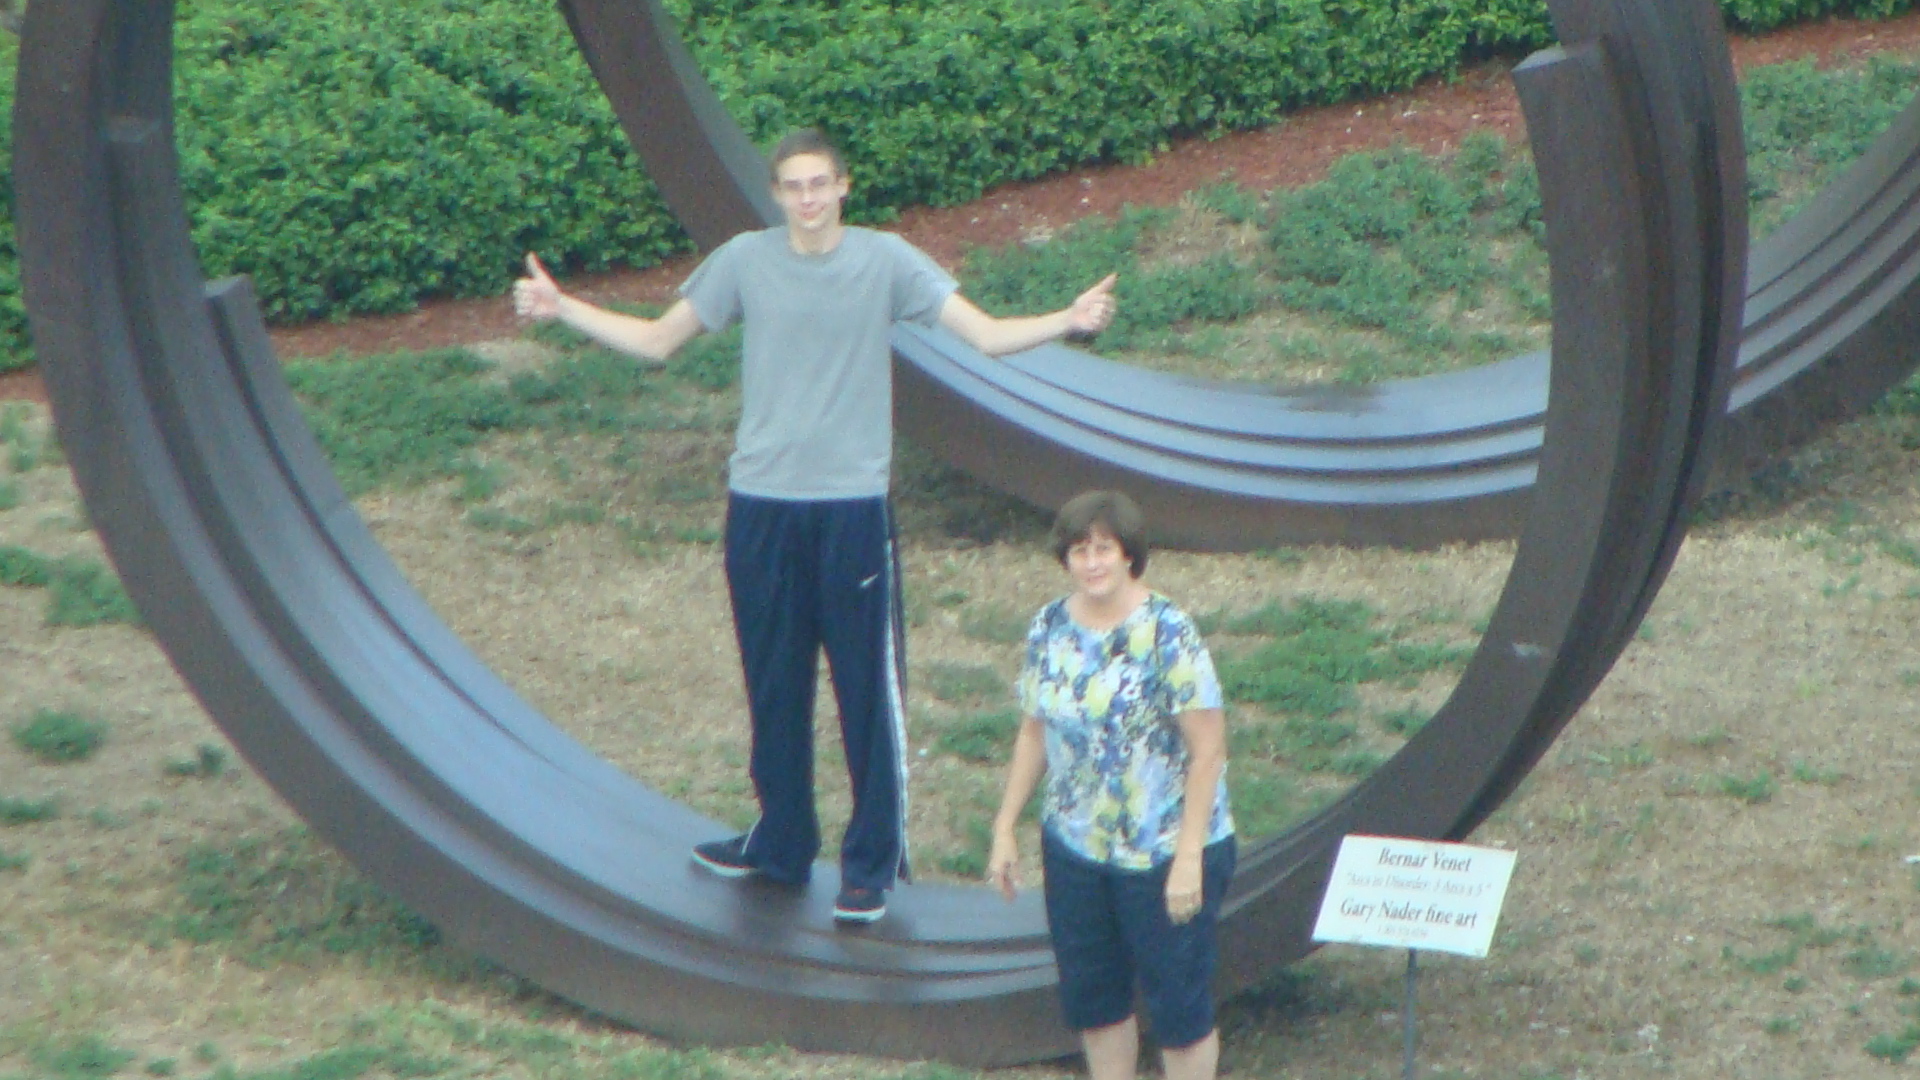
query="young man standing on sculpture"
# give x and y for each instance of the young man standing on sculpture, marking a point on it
(810, 553)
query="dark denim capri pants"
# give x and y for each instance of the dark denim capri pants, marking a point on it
(1111, 931)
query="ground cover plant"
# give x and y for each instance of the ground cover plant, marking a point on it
(1711, 880)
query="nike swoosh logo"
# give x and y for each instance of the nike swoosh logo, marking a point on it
(869, 580)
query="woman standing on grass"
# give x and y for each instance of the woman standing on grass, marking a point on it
(1123, 716)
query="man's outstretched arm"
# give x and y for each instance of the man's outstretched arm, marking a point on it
(1089, 313)
(537, 297)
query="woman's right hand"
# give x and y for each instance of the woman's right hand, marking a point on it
(1001, 862)
(536, 296)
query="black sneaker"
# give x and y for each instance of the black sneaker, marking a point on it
(859, 905)
(728, 858)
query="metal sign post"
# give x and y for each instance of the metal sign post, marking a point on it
(1406, 1015)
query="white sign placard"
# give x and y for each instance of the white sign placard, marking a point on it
(1414, 894)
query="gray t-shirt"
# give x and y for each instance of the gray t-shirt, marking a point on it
(816, 370)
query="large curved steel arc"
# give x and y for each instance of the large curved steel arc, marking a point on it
(1635, 128)
(1833, 302)
(374, 721)
(351, 698)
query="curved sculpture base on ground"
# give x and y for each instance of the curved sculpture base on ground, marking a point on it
(360, 707)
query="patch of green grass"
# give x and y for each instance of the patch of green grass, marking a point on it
(406, 418)
(982, 738)
(86, 1057)
(1605, 760)
(1388, 236)
(1804, 123)
(283, 898)
(478, 481)
(489, 519)
(970, 860)
(1319, 652)
(1156, 300)
(1805, 772)
(1019, 279)
(710, 362)
(1230, 201)
(13, 423)
(1869, 961)
(28, 811)
(679, 489)
(1404, 722)
(9, 495)
(23, 567)
(86, 593)
(1766, 963)
(1264, 798)
(1895, 1048)
(207, 762)
(954, 682)
(431, 1039)
(1757, 788)
(400, 417)
(82, 591)
(58, 736)
(995, 624)
(573, 513)
(10, 862)
(929, 1070)
(1807, 931)
(1708, 739)
(1355, 763)
(397, 1058)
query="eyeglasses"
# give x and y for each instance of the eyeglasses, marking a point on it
(812, 185)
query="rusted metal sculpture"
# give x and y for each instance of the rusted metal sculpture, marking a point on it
(366, 713)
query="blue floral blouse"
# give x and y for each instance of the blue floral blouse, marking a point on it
(1109, 703)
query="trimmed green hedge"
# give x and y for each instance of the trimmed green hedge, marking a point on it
(355, 156)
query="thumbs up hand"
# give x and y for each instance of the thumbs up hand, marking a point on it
(535, 296)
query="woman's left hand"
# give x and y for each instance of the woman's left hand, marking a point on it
(1183, 888)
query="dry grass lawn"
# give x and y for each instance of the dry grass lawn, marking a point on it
(1712, 880)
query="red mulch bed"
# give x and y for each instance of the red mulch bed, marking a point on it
(1433, 116)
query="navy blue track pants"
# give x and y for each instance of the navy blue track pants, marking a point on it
(804, 575)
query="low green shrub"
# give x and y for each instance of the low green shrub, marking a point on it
(27, 811)
(85, 1058)
(82, 591)
(85, 592)
(982, 738)
(955, 682)
(285, 898)
(58, 736)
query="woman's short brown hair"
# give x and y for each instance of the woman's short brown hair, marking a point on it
(1113, 513)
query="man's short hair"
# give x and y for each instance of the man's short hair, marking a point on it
(805, 141)
(1113, 513)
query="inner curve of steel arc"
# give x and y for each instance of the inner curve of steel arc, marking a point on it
(400, 747)
(1831, 303)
